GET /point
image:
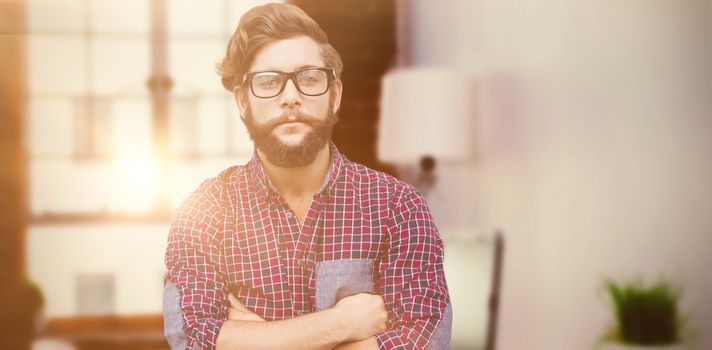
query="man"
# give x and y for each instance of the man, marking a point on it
(300, 248)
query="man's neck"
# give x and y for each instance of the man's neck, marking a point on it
(299, 181)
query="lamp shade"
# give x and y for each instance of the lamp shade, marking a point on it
(425, 112)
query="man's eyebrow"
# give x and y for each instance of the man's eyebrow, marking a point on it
(307, 66)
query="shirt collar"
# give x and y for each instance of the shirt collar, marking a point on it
(264, 184)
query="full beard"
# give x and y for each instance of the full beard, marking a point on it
(291, 156)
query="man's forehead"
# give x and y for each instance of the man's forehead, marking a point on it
(288, 55)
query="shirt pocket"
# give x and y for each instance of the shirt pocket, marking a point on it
(337, 279)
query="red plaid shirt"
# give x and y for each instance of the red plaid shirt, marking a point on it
(236, 234)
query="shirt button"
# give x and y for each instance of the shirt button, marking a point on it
(300, 262)
(290, 214)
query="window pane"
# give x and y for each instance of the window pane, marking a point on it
(183, 124)
(196, 17)
(127, 185)
(93, 126)
(56, 64)
(119, 66)
(119, 16)
(135, 181)
(71, 197)
(56, 16)
(192, 65)
(50, 126)
(133, 128)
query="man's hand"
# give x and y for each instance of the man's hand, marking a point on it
(239, 312)
(364, 314)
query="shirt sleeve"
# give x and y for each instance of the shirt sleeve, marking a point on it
(412, 280)
(195, 266)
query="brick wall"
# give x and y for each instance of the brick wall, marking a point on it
(363, 31)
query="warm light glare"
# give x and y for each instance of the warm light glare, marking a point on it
(136, 179)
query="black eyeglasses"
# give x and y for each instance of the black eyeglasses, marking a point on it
(312, 81)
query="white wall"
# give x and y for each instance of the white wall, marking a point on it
(594, 152)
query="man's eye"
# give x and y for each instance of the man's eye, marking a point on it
(267, 81)
(309, 78)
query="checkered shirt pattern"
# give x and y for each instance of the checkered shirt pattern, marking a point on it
(236, 234)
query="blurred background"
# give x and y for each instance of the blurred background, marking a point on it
(581, 130)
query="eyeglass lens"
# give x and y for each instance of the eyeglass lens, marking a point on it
(312, 82)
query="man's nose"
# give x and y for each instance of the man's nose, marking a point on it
(290, 96)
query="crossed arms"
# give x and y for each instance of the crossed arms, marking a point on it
(350, 324)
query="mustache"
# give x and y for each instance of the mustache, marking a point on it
(292, 116)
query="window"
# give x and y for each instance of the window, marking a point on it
(95, 177)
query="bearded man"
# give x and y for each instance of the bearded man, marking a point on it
(300, 248)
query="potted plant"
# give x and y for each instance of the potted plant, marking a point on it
(646, 317)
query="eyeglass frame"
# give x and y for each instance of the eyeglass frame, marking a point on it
(330, 76)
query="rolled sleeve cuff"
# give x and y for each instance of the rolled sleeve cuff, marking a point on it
(205, 336)
(391, 340)
(438, 340)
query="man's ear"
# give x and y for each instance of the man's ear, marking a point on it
(240, 99)
(337, 88)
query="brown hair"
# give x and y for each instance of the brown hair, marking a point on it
(263, 25)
